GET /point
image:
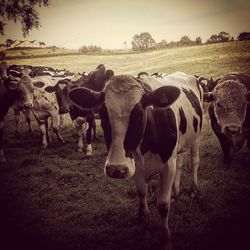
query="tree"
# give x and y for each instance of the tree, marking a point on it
(162, 44)
(198, 40)
(220, 38)
(143, 41)
(22, 11)
(213, 39)
(185, 40)
(8, 42)
(224, 36)
(243, 36)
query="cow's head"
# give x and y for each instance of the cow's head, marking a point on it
(207, 84)
(95, 80)
(61, 89)
(123, 106)
(21, 88)
(230, 100)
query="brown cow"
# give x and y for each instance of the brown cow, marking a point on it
(229, 111)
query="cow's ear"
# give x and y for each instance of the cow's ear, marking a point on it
(12, 83)
(209, 97)
(109, 74)
(85, 98)
(38, 84)
(161, 97)
(50, 89)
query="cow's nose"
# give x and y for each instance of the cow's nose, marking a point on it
(63, 110)
(28, 105)
(234, 130)
(117, 171)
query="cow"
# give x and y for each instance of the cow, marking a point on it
(11, 90)
(206, 83)
(95, 81)
(148, 124)
(229, 112)
(47, 104)
(47, 75)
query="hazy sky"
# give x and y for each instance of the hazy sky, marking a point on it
(108, 23)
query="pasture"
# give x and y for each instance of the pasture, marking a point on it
(60, 199)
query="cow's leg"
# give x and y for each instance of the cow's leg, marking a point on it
(48, 137)
(89, 138)
(225, 145)
(142, 191)
(44, 135)
(167, 178)
(2, 156)
(195, 161)
(78, 124)
(224, 142)
(17, 121)
(176, 187)
(27, 115)
(55, 127)
(94, 129)
(61, 120)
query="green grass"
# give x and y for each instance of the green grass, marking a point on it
(59, 199)
(207, 60)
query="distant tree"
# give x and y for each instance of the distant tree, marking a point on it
(220, 38)
(198, 40)
(8, 42)
(243, 36)
(185, 40)
(90, 49)
(162, 44)
(53, 48)
(172, 43)
(23, 11)
(143, 41)
(224, 36)
(213, 39)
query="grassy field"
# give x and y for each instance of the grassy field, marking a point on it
(59, 199)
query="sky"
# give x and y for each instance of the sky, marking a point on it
(110, 23)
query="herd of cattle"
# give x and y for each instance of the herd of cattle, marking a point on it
(148, 121)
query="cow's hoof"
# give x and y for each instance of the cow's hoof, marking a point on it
(175, 197)
(88, 154)
(194, 192)
(80, 150)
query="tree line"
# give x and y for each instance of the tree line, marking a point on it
(144, 41)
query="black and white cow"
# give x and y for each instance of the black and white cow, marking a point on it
(229, 112)
(11, 90)
(95, 81)
(148, 124)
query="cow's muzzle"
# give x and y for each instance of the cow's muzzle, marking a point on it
(117, 171)
(28, 105)
(233, 130)
(63, 110)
